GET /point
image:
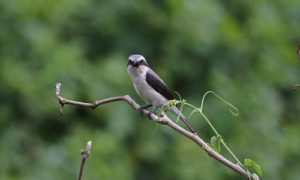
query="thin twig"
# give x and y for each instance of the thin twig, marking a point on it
(84, 155)
(164, 119)
(298, 51)
(296, 86)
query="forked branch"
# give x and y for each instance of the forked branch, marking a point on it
(163, 119)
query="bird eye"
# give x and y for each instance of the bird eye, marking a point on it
(143, 62)
(130, 62)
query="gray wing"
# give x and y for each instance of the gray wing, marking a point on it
(156, 83)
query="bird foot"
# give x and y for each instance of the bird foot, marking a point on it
(141, 108)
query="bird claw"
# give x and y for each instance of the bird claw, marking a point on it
(141, 108)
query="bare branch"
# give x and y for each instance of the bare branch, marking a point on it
(298, 50)
(296, 86)
(164, 119)
(84, 155)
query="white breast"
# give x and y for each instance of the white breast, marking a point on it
(144, 90)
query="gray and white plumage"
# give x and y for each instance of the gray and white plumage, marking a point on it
(150, 87)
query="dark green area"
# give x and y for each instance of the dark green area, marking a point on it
(243, 50)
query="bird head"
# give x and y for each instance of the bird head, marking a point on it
(136, 60)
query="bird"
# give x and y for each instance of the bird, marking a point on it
(150, 87)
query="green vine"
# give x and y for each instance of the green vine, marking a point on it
(217, 140)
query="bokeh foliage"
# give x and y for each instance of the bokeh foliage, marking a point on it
(244, 50)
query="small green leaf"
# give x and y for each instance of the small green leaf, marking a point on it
(213, 141)
(171, 103)
(216, 143)
(250, 163)
(168, 105)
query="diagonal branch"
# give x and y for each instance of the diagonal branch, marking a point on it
(164, 119)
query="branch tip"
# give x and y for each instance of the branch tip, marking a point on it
(88, 147)
(296, 86)
(84, 155)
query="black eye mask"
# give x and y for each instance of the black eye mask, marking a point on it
(130, 62)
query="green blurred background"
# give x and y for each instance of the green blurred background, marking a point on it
(243, 50)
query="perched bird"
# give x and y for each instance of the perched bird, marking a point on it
(150, 87)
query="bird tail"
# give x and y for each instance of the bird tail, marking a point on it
(177, 112)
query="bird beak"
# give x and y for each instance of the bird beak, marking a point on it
(134, 63)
